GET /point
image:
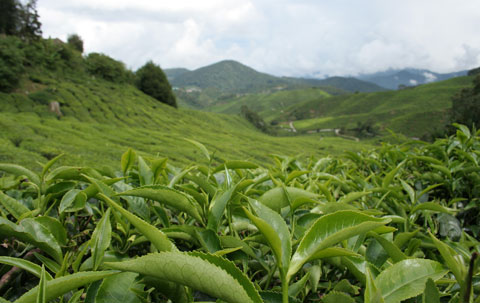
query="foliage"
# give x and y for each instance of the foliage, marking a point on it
(152, 81)
(20, 20)
(11, 63)
(466, 105)
(253, 118)
(396, 224)
(107, 68)
(75, 41)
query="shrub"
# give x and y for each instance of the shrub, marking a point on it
(152, 81)
(466, 105)
(76, 42)
(107, 68)
(11, 63)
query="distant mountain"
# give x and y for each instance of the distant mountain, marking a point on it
(347, 84)
(172, 73)
(394, 78)
(233, 77)
(228, 76)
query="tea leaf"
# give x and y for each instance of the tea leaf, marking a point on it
(199, 271)
(57, 287)
(328, 230)
(407, 278)
(156, 237)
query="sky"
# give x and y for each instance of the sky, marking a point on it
(280, 37)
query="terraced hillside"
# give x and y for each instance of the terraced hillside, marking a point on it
(102, 119)
(413, 111)
(270, 105)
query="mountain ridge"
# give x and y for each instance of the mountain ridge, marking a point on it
(233, 76)
(400, 78)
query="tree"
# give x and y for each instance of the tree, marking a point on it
(11, 63)
(76, 42)
(9, 16)
(253, 118)
(30, 26)
(20, 20)
(466, 105)
(152, 81)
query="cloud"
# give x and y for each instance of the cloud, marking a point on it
(429, 77)
(284, 37)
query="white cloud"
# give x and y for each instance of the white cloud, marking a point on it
(284, 37)
(429, 77)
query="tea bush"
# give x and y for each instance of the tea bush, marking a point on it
(396, 224)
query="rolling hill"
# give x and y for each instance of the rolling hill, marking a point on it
(394, 78)
(269, 105)
(225, 80)
(415, 111)
(100, 120)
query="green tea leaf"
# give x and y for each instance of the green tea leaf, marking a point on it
(49, 164)
(387, 180)
(235, 165)
(431, 294)
(14, 207)
(101, 239)
(199, 271)
(128, 159)
(217, 207)
(410, 191)
(274, 229)
(353, 197)
(458, 269)
(41, 294)
(433, 206)
(18, 170)
(328, 230)
(73, 200)
(201, 147)
(55, 227)
(372, 293)
(169, 196)
(297, 287)
(407, 278)
(62, 285)
(277, 199)
(25, 265)
(118, 288)
(156, 237)
(145, 173)
(338, 297)
(393, 251)
(32, 232)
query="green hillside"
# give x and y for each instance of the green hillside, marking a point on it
(216, 83)
(413, 111)
(269, 105)
(346, 84)
(100, 119)
(228, 76)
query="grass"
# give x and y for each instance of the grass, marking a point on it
(101, 120)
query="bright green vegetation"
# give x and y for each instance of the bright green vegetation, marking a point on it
(396, 224)
(101, 118)
(269, 105)
(414, 112)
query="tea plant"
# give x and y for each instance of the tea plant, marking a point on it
(396, 224)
